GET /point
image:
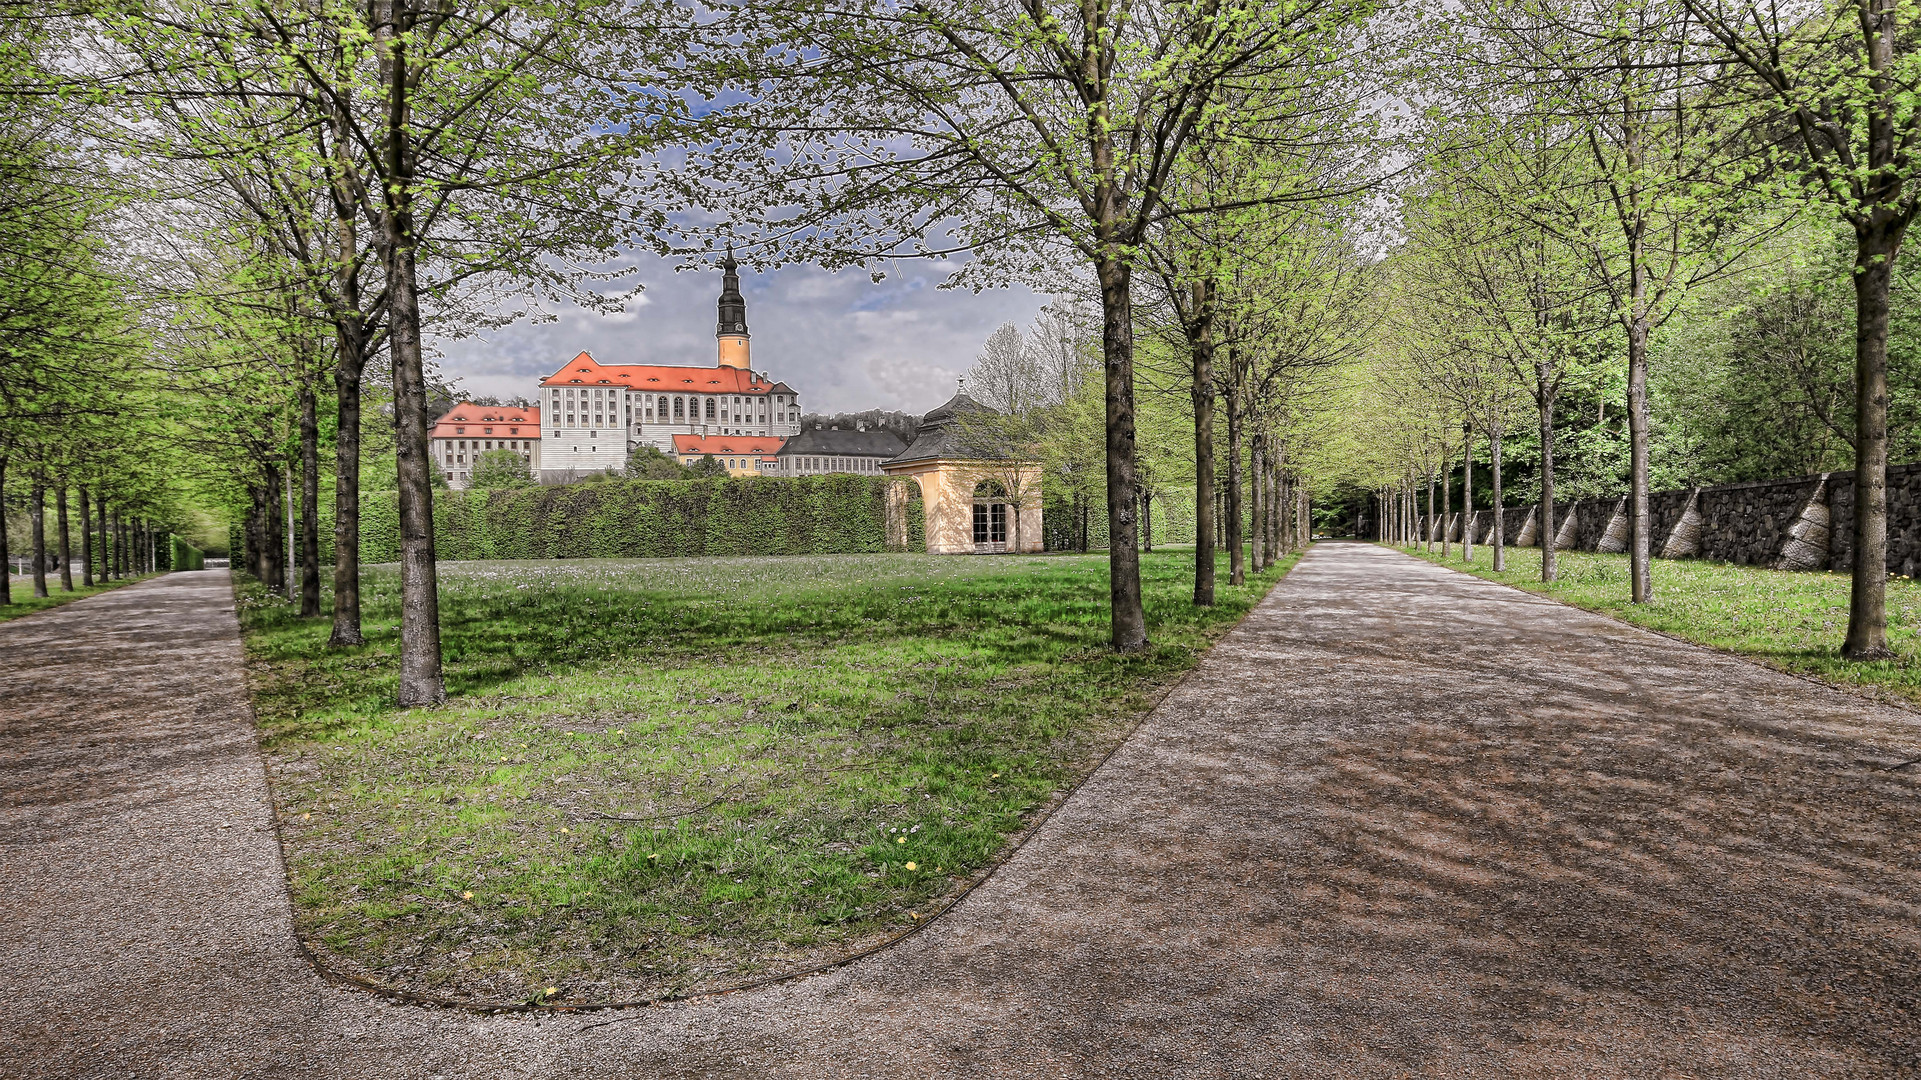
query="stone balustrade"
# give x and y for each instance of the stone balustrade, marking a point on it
(1804, 523)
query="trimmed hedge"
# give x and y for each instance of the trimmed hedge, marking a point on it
(186, 556)
(623, 519)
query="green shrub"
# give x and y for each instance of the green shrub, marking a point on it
(500, 469)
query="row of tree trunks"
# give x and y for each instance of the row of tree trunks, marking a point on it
(264, 533)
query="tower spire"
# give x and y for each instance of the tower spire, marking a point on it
(732, 330)
(733, 306)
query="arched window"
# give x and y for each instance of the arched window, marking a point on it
(710, 408)
(990, 516)
(680, 405)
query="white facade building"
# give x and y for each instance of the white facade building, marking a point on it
(469, 430)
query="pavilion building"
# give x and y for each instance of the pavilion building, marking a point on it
(979, 495)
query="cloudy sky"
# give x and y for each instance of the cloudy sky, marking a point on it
(841, 340)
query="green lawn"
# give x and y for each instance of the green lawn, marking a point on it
(25, 603)
(663, 775)
(1793, 621)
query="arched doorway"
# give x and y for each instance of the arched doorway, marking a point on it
(990, 517)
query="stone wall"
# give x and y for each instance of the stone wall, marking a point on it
(1805, 523)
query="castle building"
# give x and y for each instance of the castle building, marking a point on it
(597, 413)
(469, 430)
(831, 450)
(748, 455)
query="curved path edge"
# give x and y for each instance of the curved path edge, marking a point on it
(1399, 822)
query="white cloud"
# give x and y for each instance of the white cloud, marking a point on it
(842, 340)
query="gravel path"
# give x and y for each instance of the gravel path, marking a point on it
(1401, 822)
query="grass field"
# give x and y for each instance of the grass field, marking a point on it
(1792, 621)
(662, 775)
(25, 603)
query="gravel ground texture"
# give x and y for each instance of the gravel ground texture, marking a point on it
(1401, 822)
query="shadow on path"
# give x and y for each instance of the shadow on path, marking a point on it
(1400, 822)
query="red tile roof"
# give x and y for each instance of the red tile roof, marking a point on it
(723, 445)
(501, 421)
(584, 370)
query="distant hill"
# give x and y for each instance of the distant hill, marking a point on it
(905, 425)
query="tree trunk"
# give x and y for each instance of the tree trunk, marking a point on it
(350, 359)
(1639, 571)
(1546, 528)
(420, 675)
(66, 537)
(1467, 497)
(1447, 501)
(1147, 520)
(293, 534)
(1202, 355)
(275, 538)
(346, 604)
(86, 541)
(1877, 242)
(309, 503)
(1500, 516)
(37, 523)
(6, 554)
(1264, 525)
(1236, 563)
(1282, 492)
(1117, 351)
(1257, 508)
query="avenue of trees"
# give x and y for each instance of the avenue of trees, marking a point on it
(1304, 252)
